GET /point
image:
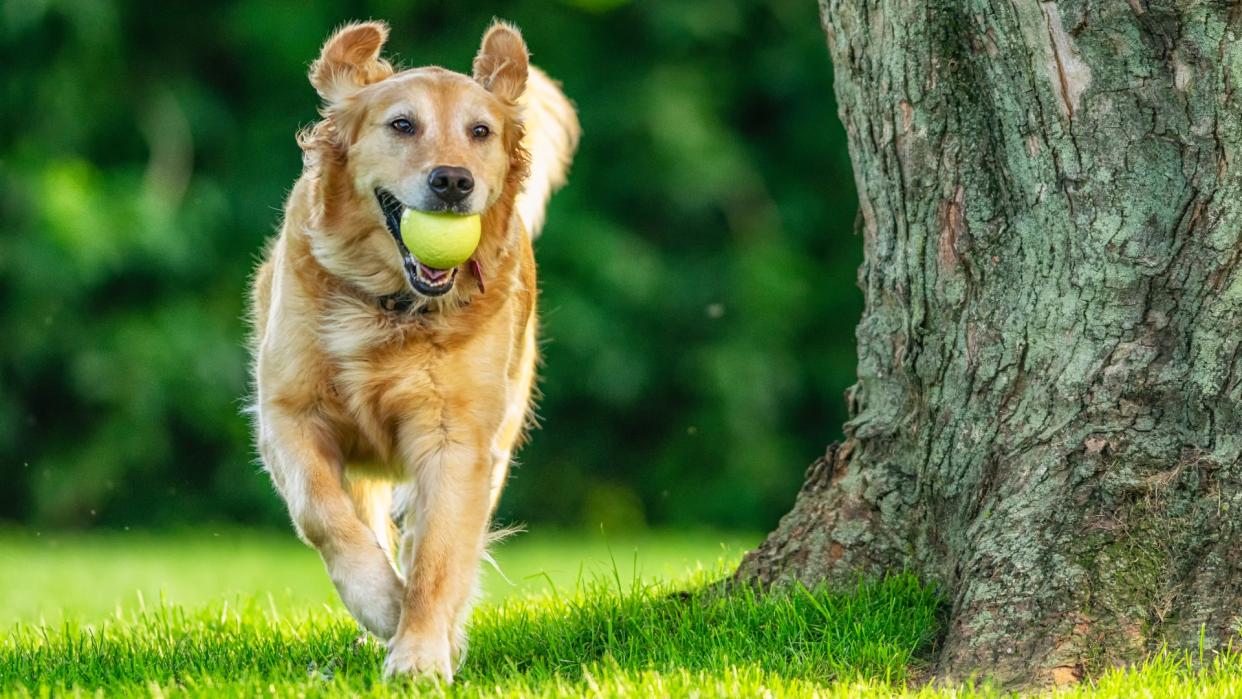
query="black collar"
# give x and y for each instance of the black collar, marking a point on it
(400, 302)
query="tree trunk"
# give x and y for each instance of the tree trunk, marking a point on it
(1046, 421)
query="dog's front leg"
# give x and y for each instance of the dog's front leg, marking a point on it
(453, 506)
(306, 466)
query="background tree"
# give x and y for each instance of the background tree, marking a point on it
(1046, 420)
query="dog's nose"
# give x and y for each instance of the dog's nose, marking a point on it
(452, 184)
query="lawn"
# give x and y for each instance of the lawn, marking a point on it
(53, 578)
(245, 614)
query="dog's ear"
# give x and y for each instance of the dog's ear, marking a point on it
(503, 61)
(350, 60)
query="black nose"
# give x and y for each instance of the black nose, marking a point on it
(452, 184)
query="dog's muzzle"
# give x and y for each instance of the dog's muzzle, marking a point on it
(427, 281)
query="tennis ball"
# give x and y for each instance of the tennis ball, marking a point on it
(440, 241)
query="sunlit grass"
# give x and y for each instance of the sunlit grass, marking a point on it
(576, 614)
(575, 621)
(559, 645)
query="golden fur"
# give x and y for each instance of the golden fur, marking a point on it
(362, 412)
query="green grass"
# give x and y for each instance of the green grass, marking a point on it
(248, 615)
(53, 578)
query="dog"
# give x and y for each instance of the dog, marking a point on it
(389, 396)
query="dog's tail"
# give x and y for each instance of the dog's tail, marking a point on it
(551, 137)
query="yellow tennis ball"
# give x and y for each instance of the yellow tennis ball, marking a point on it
(440, 241)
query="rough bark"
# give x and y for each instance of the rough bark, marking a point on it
(1046, 420)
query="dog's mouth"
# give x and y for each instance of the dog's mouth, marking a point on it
(427, 281)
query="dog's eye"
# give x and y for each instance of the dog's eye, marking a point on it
(404, 126)
(480, 132)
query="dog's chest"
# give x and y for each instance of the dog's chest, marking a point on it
(397, 391)
(383, 393)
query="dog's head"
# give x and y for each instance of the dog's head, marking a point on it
(426, 138)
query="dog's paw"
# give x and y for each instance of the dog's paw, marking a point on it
(372, 593)
(419, 655)
(379, 611)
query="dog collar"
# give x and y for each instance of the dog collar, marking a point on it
(400, 302)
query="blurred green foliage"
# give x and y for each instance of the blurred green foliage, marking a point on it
(697, 274)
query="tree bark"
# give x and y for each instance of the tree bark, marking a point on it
(1046, 421)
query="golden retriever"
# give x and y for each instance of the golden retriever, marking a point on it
(386, 390)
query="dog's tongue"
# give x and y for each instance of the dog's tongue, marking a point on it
(434, 275)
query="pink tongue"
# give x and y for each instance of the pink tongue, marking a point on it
(434, 275)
